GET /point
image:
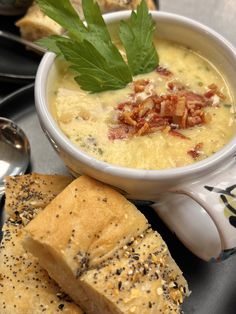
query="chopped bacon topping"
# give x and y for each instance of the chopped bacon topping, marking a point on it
(118, 132)
(196, 151)
(214, 90)
(193, 98)
(175, 86)
(179, 109)
(163, 71)
(210, 93)
(140, 85)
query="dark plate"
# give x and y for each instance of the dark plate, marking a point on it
(213, 286)
(17, 64)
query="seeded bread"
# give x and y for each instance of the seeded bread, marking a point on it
(28, 194)
(102, 252)
(26, 288)
(133, 280)
(35, 24)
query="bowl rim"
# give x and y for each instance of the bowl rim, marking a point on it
(49, 123)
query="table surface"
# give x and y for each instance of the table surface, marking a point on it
(219, 280)
(217, 14)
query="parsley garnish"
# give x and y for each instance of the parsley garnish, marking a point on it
(137, 37)
(97, 62)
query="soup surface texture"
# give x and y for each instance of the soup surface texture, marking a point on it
(174, 116)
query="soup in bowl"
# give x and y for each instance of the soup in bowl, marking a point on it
(179, 113)
(175, 121)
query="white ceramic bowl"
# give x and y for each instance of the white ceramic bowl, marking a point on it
(208, 233)
(143, 184)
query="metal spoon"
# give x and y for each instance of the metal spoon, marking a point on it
(14, 151)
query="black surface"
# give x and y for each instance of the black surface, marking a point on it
(16, 62)
(14, 59)
(213, 286)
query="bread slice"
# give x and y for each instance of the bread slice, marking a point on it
(87, 219)
(26, 288)
(94, 238)
(35, 24)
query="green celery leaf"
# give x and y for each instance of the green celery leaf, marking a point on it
(95, 73)
(137, 37)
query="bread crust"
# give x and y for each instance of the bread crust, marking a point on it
(35, 24)
(26, 288)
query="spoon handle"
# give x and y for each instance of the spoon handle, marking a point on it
(2, 191)
(2, 215)
(22, 41)
(2, 198)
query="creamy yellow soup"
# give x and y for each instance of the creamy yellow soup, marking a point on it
(104, 126)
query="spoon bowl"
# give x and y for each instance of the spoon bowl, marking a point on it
(14, 150)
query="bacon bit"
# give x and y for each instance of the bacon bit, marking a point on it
(214, 90)
(177, 134)
(192, 97)
(144, 107)
(210, 93)
(122, 105)
(183, 121)
(192, 105)
(119, 132)
(127, 118)
(139, 85)
(163, 71)
(144, 129)
(192, 121)
(180, 107)
(175, 86)
(196, 151)
(172, 105)
(158, 122)
(168, 105)
(213, 86)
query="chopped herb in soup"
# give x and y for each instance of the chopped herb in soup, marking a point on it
(178, 114)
